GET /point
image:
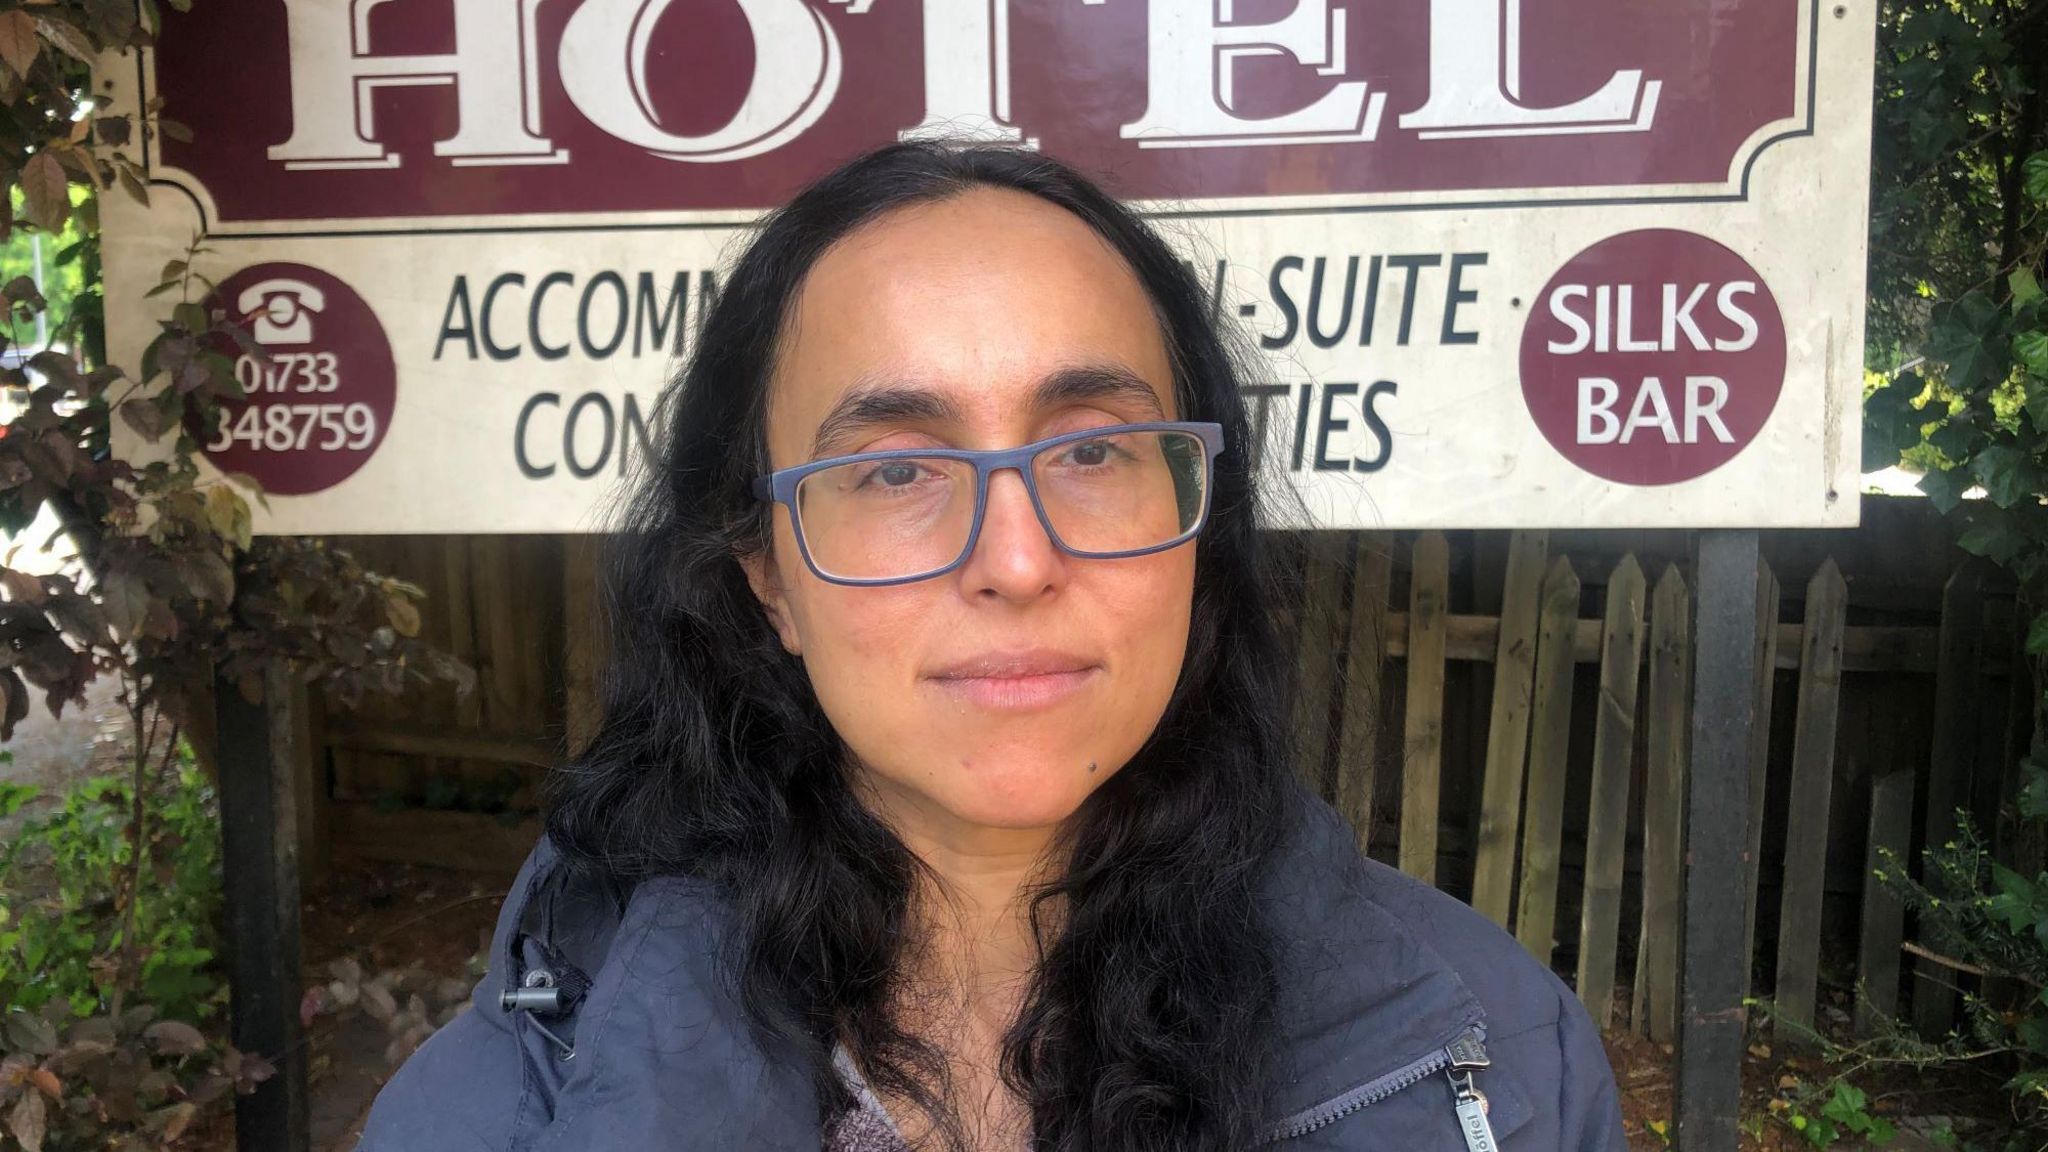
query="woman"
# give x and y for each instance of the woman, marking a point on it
(939, 799)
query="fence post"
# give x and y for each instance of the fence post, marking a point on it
(1507, 738)
(1884, 918)
(1813, 772)
(1654, 1012)
(1316, 638)
(1960, 652)
(1549, 741)
(1364, 663)
(1422, 729)
(1710, 1038)
(260, 873)
(1767, 597)
(1621, 658)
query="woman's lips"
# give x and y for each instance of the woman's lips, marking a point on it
(1015, 681)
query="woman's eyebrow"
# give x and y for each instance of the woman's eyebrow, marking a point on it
(872, 403)
(1097, 382)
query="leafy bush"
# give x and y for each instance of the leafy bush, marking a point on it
(63, 914)
(1843, 1113)
(129, 1081)
(104, 973)
(1989, 921)
(111, 1032)
(1958, 350)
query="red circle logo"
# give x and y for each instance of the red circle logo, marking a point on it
(1653, 357)
(320, 393)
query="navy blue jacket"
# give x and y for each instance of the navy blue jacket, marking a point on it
(1410, 1023)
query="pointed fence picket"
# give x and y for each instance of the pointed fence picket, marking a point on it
(1621, 657)
(1507, 742)
(1655, 1009)
(1813, 775)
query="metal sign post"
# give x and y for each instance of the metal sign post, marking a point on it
(1712, 964)
(260, 867)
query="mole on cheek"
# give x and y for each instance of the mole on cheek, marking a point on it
(1091, 765)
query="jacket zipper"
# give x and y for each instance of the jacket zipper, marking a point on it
(1467, 1054)
(1457, 1059)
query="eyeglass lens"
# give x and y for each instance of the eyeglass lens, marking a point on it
(908, 516)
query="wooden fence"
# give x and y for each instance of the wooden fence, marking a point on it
(1511, 728)
(1593, 713)
(436, 779)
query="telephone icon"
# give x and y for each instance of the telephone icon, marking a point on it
(283, 309)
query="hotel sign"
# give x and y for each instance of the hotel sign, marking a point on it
(1511, 262)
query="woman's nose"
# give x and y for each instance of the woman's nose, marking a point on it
(1013, 558)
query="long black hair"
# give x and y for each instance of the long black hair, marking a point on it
(1147, 1023)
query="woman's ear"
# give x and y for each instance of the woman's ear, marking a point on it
(761, 577)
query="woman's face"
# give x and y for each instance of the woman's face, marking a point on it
(1000, 694)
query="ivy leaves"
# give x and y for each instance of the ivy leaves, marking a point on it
(1977, 418)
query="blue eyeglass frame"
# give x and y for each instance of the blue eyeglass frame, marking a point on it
(779, 487)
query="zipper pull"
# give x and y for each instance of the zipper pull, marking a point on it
(1467, 1053)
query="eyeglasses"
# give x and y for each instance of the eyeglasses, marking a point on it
(1103, 493)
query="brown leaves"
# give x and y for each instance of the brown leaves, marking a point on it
(23, 587)
(146, 417)
(46, 191)
(23, 291)
(207, 576)
(247, 1070)
(18, 44)
(29, 1122)
(135, 1082)
(177, 1118)
(130, 176)
(175, 1038)
(30, 1033)
(124, 601)
(403, 614)
(14, 699)
(68, 39)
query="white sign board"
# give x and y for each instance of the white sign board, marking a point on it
(1582, 263)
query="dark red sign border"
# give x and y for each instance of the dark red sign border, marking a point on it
(1741, 192)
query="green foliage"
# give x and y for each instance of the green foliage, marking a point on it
(69, 278)
(1995, 919)
(1837, 1111)
(59, 945)
(1959, 349)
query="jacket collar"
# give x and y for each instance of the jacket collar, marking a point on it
(1362, 994)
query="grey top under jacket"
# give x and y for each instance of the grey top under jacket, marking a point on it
(868, 1127)
(1408, 1021)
